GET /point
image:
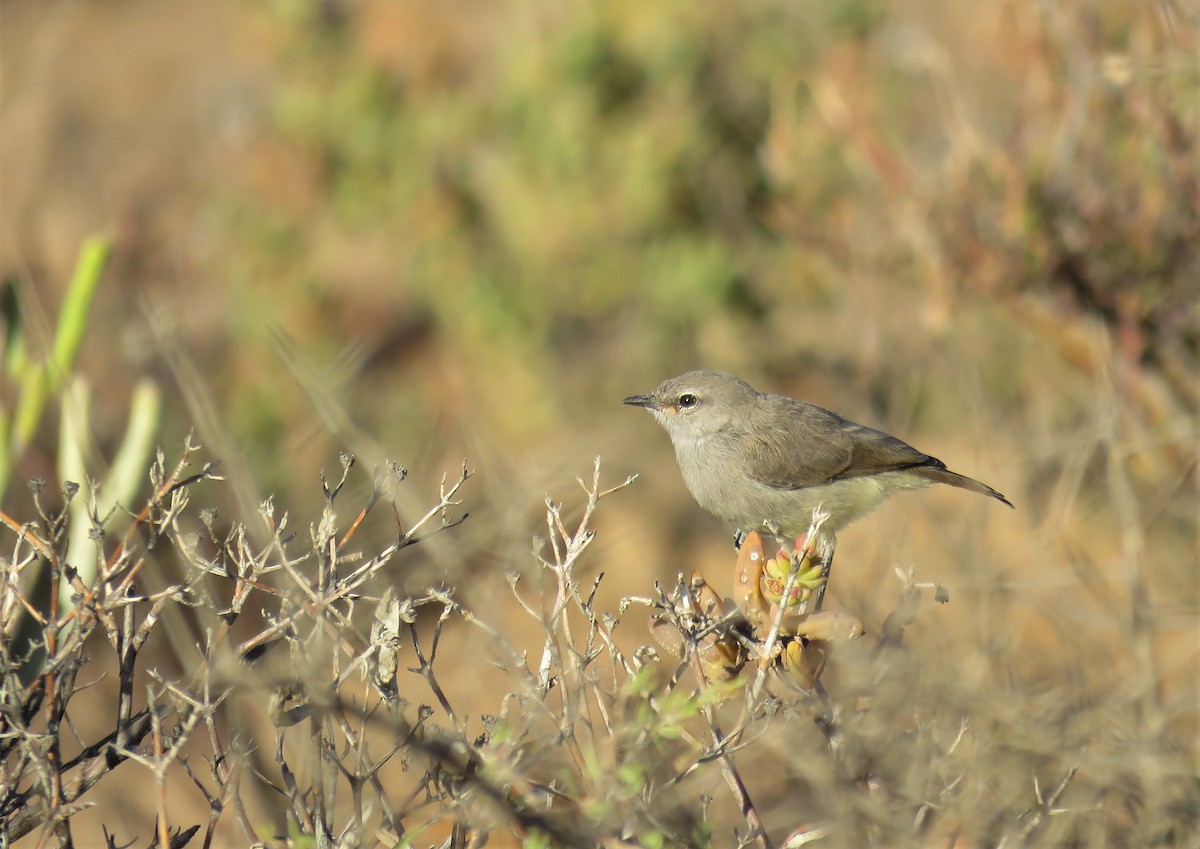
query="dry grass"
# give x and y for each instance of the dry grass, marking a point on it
(263, 670)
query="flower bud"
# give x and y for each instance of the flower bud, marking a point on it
(809, 575)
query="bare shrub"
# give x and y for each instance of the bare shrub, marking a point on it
(312, 711)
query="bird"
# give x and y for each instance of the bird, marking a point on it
(761, 460)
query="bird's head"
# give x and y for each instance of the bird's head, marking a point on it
(696, 404)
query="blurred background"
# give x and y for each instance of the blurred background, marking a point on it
(436, 231)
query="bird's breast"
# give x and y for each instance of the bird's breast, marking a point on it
(712, 474)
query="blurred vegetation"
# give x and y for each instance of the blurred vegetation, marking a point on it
(669, 184)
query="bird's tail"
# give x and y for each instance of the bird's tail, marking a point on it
(940, 474)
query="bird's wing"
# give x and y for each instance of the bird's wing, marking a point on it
(817, 447)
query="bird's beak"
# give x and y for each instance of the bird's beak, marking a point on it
(647, 401)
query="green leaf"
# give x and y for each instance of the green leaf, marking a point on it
(72, 320)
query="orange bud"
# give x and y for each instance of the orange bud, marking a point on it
(747, 575)
(803, 663)
(721, 659)
(666, 634)
(828, 625)
(706, 598)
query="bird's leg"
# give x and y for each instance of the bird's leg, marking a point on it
(826, 543)
(739, 536)
(772, 529)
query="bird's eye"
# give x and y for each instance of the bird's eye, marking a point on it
(687, 401)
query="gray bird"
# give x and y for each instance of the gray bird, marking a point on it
(755, 459)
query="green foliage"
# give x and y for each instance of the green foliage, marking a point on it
(555, 173)
(38, 379)
(98, 509)
(51, 379)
